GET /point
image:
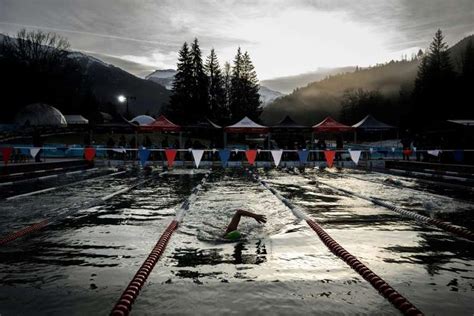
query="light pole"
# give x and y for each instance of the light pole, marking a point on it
(124, 98)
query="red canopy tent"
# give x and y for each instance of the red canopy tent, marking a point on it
(162, 124)
(330, 125)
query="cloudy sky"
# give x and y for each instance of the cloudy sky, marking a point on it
(283, 37)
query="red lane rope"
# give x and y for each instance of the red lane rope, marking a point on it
(401, 303)
(23, 232)
(397, 300)
(125, 302)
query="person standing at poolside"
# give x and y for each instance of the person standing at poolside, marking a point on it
(231, 232)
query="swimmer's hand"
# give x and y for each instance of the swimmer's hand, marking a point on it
(261, 219)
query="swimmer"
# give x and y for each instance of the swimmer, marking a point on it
(392, 181)
(231, 232)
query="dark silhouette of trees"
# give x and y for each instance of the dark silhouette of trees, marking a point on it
(244, 98)
(39, 69)
(199, 86)
(434, 84)
(356, 104)
(217, 109)
(181, 101)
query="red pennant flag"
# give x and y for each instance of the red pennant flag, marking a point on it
(89, 153)
(251, 155)
(170, 156)
(329, 155)
(6, 153)
(407, 152)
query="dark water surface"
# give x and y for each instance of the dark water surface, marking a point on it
(81, 264)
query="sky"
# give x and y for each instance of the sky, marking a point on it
(283, 37)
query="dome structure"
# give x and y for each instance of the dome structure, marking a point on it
(40, 114)
(142, 120)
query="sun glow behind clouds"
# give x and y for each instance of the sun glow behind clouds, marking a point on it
(296, 41)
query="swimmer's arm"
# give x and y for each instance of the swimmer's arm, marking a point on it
(234, 223)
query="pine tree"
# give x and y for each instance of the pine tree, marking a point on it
(216, 92)
(199, 87)
(180, 103)
(434, 85)
(227, 88)
(244, 98)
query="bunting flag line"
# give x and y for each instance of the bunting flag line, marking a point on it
(251, 155)
(276, 154)
(89, 153)
(393, 149)
(224, 155)
(329, 155)
(170, 156)
(34, 151)
(197, 155)
(303, 155)
(6, 153)
(143, 154)
(433, 152)
(355, 155)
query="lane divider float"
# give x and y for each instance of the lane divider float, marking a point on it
(62, 214)
(387, 291)
(14, 197)
(131, 292)
(47, 177)
(449, 227)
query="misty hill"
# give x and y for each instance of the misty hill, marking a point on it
(108, 81)
(289, 83)
(312, 103)
(165, 78)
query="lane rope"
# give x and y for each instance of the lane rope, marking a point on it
(131, 292)
(14, 197)
(62, 214)
(394, 297)
(449, 227)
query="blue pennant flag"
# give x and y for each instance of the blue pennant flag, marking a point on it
(143, 153)
(458, 155)
(303, 155)
(224, 155)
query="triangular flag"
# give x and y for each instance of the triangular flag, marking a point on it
(329, 155)
(6, 152)
(251, 155)
(393, 149)
(89, 153)
(458, 155)
(143, 154)
(355, 155)
(276, 154)
(303, 155)
(34, 151)
(434, 152)
(371, 150)
(407, 152)
(197, 155)
(120, 150)
(224, 155)
(170, 156)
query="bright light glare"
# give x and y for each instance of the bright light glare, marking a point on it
(122, 98)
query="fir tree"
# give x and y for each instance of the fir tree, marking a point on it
(217, 109)
(227, 88)
(199, 87)
(434, 83)
(181, 101)
(244, 98)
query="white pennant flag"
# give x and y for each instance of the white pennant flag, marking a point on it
(197, 155)
(276, 154)
(34, 151)
(355, 155)
(434, 152)
(119, 150)
(393, 149)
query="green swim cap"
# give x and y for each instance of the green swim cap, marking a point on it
(233, 235)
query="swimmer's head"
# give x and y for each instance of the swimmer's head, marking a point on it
(233, 235)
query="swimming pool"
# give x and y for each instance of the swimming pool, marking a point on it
(81, 264)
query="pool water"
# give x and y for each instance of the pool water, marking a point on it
(82, 263)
